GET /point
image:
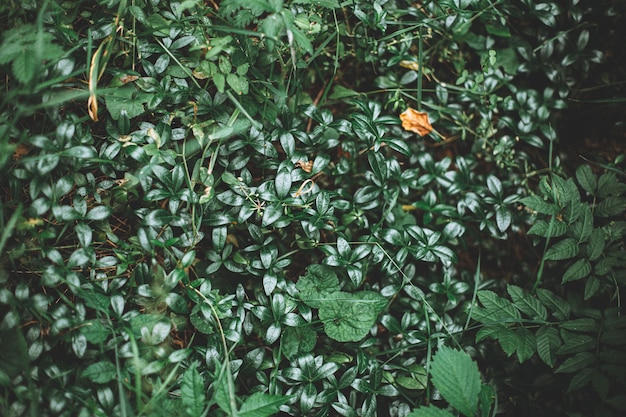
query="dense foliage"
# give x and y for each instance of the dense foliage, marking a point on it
(215, 208)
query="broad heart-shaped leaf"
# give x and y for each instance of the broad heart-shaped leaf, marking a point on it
(316, 284)
(348, 317)
(192, 392)
(261, 405)
(457, 378)
(430, 411)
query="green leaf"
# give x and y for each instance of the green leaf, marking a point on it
(579, 269)
(238, 83)
(494, 185)
(527, 304)
(586, 179)
(316, 284)
(565, 249)
(348, 317)
(262, 405)
(283, 183)
(457, 378)
(497, 308)
(536, 203)
(99, 213)
(611, 206)
(430, 411)
(271, 214)
(548, 342)
(527, 345)
(503, 218)
(559, 307)
(297, 341)
(192, 392)
(100, 372)
(596, 244)
(577, 362)
(580, 380)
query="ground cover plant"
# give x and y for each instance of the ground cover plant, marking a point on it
(312, 208)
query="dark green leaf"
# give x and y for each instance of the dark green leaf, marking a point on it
(548, 342)
(577, 362)
(565, 249)
(579, 269)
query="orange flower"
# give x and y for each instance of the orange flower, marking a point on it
(416, 121)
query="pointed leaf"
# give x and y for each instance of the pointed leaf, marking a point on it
(262, 405)
(548, 342)
(527, 304)
(192, 392)
(457, 378)
(565, 249)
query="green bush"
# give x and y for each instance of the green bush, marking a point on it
(213, 208)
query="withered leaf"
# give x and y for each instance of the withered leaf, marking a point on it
(416, 121)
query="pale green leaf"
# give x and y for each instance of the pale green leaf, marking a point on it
(457, 378)
(587, 179)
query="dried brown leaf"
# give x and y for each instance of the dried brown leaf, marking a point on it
(416, 121)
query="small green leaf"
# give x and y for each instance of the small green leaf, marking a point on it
(457, 378)
(430, 411)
